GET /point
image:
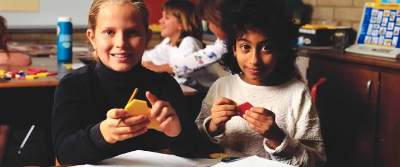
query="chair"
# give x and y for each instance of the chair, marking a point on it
(314, 89)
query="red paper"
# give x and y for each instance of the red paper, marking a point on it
(243, 107)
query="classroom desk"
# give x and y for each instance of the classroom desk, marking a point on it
(50, 64)
(51, 81)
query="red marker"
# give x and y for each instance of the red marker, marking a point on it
(243, 107)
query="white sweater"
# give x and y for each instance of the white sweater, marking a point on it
(294, 114)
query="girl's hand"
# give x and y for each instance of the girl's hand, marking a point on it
(263, 122)
(164, 113)
(118, 126)
(221, 112)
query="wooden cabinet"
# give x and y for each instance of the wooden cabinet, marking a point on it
(389, 118)
(359, 107)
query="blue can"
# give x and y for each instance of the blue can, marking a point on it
(64, 40)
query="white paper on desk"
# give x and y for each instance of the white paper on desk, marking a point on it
(141, 158)
(253, 161)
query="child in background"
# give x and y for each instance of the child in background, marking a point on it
(207, 57)
(282, 123)
(181, 28)
(9, 57)
(88, 122)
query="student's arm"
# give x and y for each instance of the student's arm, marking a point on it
(203, 120)
(157, 68)
(187, 46)
(152, 59)
(199, 59)
(305, 147)
(158, 55)
(15, 58)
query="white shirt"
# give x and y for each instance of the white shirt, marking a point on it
(164, 53)
(294, 114)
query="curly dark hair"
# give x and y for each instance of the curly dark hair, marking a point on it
(270, 17)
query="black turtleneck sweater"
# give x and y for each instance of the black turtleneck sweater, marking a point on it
(83, 98)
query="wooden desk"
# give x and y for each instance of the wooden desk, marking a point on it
(49, 63)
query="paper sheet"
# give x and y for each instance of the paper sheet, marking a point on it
(252, 161)
(141, 158)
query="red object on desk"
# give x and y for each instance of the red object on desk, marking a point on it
(243, 107)
(35, 70)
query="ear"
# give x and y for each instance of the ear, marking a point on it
(90, 35)
(181, 27)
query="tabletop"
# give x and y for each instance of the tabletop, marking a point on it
(50, 63)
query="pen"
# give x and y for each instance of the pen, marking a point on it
(25, 139)
(133, 95)
(130, 99)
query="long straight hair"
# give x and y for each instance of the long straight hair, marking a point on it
(3, 35)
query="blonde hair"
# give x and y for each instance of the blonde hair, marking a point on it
(98, 4)
(185, 13)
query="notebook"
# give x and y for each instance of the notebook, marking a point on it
(379, 31)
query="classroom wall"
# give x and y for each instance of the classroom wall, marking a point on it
(49, 11)
(340, 12)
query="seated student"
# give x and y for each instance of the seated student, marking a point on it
(10, 57)
(282, 123)
(205, 59)
(181, 28)
(88, 122)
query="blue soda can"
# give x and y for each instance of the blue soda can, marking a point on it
(64, 40)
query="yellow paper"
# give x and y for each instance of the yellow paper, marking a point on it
(137, 107)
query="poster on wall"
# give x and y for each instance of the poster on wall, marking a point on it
(19, 5)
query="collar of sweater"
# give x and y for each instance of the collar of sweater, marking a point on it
(110, 76)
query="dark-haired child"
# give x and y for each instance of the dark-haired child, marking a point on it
(282, 123)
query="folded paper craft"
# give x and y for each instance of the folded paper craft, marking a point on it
(243, 107)
(137, 107)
